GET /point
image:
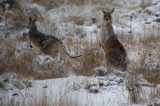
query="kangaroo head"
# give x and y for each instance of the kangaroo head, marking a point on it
(32, 24)
(107, 15)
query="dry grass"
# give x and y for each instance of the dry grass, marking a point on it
(133, 87)
(147, 50)
(146, 64)
(77, 2)
(63, 101)
(24, 65)
(91, 58)
(9, 62)
(14, 16)
(46, 2)
(149, 62)
(77, 20)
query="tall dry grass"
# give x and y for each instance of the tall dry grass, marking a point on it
(24, 64)
(92, 57)
(73, 2)
(144, 65)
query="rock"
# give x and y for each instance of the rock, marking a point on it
(101, 84)
(157, 20)
(156, 2)
(19, 84)
(28, 83)
(80, 33)
(119, 73)
(5, 80)
(94, 20)
(15, 94)
(157, 104)
(4, 3)
(147, 22)
(52, 4)
(149, 12)
(1, 85)
(145, 3)
(153, 10)
(129, 31)
(10, 81)
(157, 15)
(100, 71)
(43, 59)
(45, 86)
(1, 19)
(94, 89)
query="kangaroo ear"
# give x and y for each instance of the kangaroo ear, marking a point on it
(30, 18)
(112, 10)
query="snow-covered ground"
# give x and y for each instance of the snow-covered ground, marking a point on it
(110, 90)
(76, 91)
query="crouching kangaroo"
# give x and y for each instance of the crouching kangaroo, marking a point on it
(48, 44)
(114, 52)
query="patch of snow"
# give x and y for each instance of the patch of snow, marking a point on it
(91, 32)
(10, 81)
(82, 91)
(128, 2)
(35, 9)
(154, 9)
(133, 56)
(21, 48)
(43, 59)
(3, 29)
(100, 71)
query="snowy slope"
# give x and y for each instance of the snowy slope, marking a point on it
(110, 90)
(76, 91)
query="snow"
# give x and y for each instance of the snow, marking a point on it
(34, 9)
(91, 32)
(43, 59)
(80, 90)
(10, 81)
(74, 90)
(64, 88)
(3, 28)
(128, 2)
(58, 16)
(137, 25)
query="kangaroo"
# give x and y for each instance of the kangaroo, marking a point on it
(48, 44)
(114, 52)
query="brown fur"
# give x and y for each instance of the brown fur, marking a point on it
(48, 44)
(114, 52)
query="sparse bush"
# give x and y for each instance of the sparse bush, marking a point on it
(92, 58)
(133, 87)
(24, 64)
(78, 20)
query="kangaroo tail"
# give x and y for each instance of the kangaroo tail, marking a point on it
(64, 49)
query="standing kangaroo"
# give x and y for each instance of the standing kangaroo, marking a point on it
(114, 52)
(48, 44)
